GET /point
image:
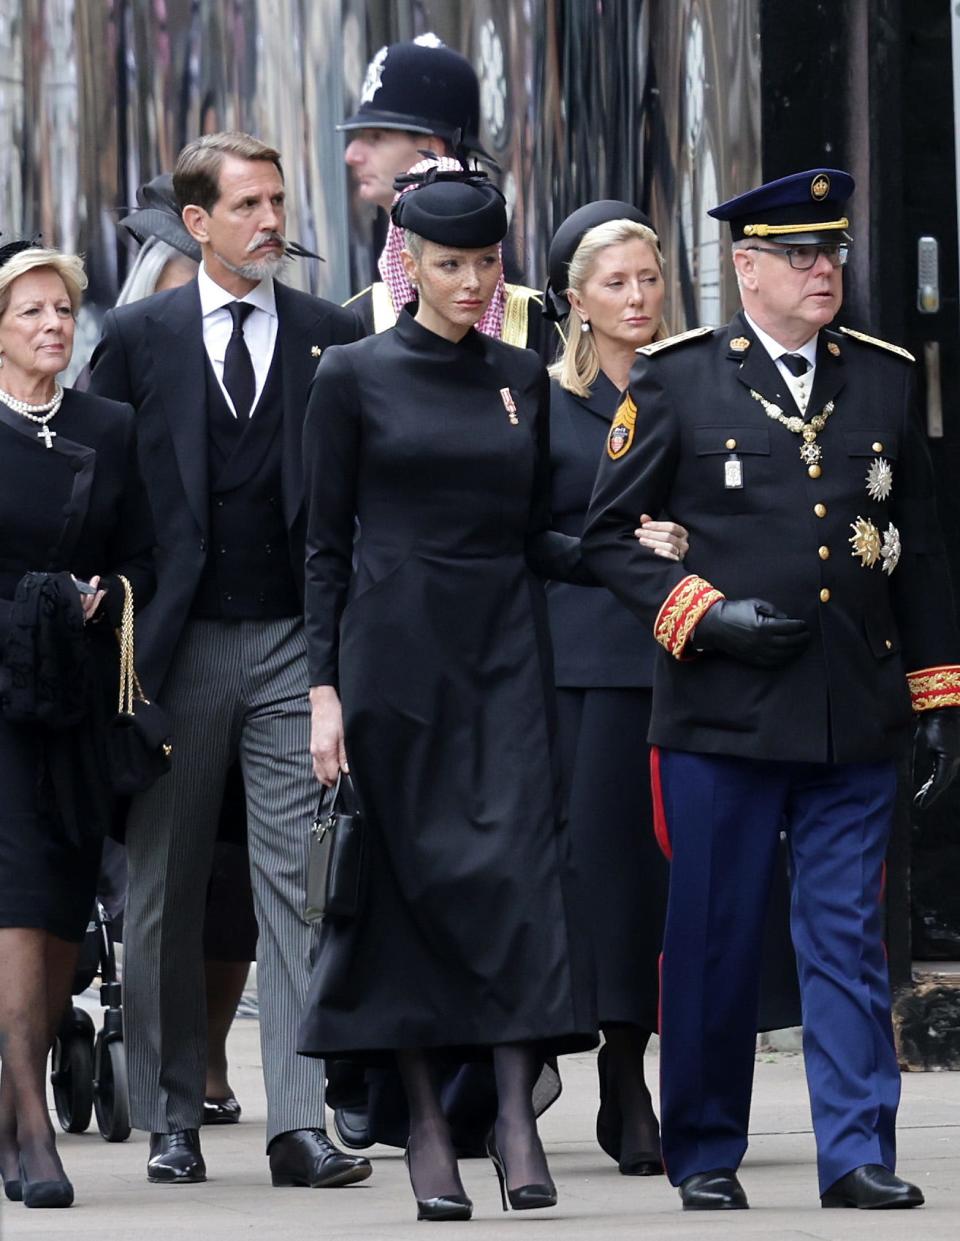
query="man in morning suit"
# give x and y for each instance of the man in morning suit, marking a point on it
(806, 635)
(218, 372)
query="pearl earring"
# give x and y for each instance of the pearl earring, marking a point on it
(585, 326)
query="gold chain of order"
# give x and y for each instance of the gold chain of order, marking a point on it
(810, 451)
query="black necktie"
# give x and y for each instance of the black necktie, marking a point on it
(238, 377)
(795, 363)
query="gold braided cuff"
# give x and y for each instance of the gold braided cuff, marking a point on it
(681, 612)
(931, 688)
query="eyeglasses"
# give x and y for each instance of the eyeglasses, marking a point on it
(802, 258)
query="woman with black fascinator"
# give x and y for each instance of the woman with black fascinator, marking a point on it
(435, 438)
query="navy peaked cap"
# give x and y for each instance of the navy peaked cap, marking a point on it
(804, 207)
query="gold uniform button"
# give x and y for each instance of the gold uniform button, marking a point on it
(814, 471)
(823, 553)
(820, 510)
(878, 447)
(731, 444)
(824, 595)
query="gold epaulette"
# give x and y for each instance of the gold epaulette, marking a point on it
(657, 345)
(881, 344)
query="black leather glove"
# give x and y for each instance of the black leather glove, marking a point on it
(939, 732)
(751, 630)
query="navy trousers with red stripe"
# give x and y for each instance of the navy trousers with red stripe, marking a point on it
(723, 816)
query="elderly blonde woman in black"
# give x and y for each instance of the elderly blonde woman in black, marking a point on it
(73, 517)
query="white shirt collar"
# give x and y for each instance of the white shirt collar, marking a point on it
(776, 350)
(214, 297)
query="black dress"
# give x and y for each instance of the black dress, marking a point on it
(603, 658)
(442, 659)
(78, 506)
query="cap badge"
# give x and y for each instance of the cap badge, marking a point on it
(820, 187)
(740, 344)
(833, 349)
(374, 79)
(510, 405)
(621, 433)
(879, 479)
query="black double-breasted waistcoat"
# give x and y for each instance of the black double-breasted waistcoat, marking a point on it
(851, 546)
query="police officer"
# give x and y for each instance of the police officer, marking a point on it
(416, 97)
(807, 628)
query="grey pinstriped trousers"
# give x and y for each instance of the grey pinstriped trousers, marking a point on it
(234, 688)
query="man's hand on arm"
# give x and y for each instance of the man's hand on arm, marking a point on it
(752, 631)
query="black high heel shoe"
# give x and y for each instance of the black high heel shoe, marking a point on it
(526, 1197)
(445, 1207)
(12, 1189)
(45, 1193)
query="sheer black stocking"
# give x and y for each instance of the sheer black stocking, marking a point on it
(516, 1066)
(640, 1133)
(432, 1161)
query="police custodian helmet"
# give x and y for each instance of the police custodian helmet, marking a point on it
(423, 87)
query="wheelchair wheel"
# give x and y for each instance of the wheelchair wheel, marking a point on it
(72, 1071)
(110, 1096)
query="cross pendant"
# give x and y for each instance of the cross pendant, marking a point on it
(46, 435)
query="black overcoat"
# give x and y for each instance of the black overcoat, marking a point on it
(152, 355)
(782, 536)
(438, 642)
(80, 507)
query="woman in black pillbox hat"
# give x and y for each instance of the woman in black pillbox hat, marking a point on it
(434, 436)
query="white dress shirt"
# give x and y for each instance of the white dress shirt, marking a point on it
(800, 387)
(259, 330)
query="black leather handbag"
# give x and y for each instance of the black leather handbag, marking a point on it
(138, 745)
(335, 868)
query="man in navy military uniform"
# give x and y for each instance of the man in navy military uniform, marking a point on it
(809, 625)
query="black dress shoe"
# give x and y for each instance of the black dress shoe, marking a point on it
(352, 1125)
(175, 1158)
(717, 1190)
(221, 1111)
(872, 1188)
(307, 1157)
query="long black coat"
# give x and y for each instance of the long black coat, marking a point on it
(78, 506)
(783, 536)
(438, 642)
(152, 355)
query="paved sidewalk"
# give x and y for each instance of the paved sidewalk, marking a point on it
(115, 1203)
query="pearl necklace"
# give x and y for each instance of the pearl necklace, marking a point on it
(37, 413)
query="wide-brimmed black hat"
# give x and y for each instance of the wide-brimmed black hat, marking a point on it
(564, 246)
(158, 215)
(804, 208)
(424, 87)
(461, 209)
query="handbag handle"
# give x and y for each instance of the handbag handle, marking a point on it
(130, 687)
(341, 791)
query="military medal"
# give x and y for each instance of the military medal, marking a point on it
(811, 454)
(890, 551)
(733, 472)
(510, 405)
(879, 479)
(865, 542)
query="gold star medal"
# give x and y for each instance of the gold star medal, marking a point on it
(621, 433)
(865, 542)
(879, 479)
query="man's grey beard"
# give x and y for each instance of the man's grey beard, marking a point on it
(255, 269)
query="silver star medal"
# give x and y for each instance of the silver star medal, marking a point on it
(890, 551)
(879, 479)
(374, 79)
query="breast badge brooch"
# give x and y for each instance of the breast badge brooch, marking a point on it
(315, 351)
(510, 405)
(621, 433)
(870, 546)
(879, 479)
